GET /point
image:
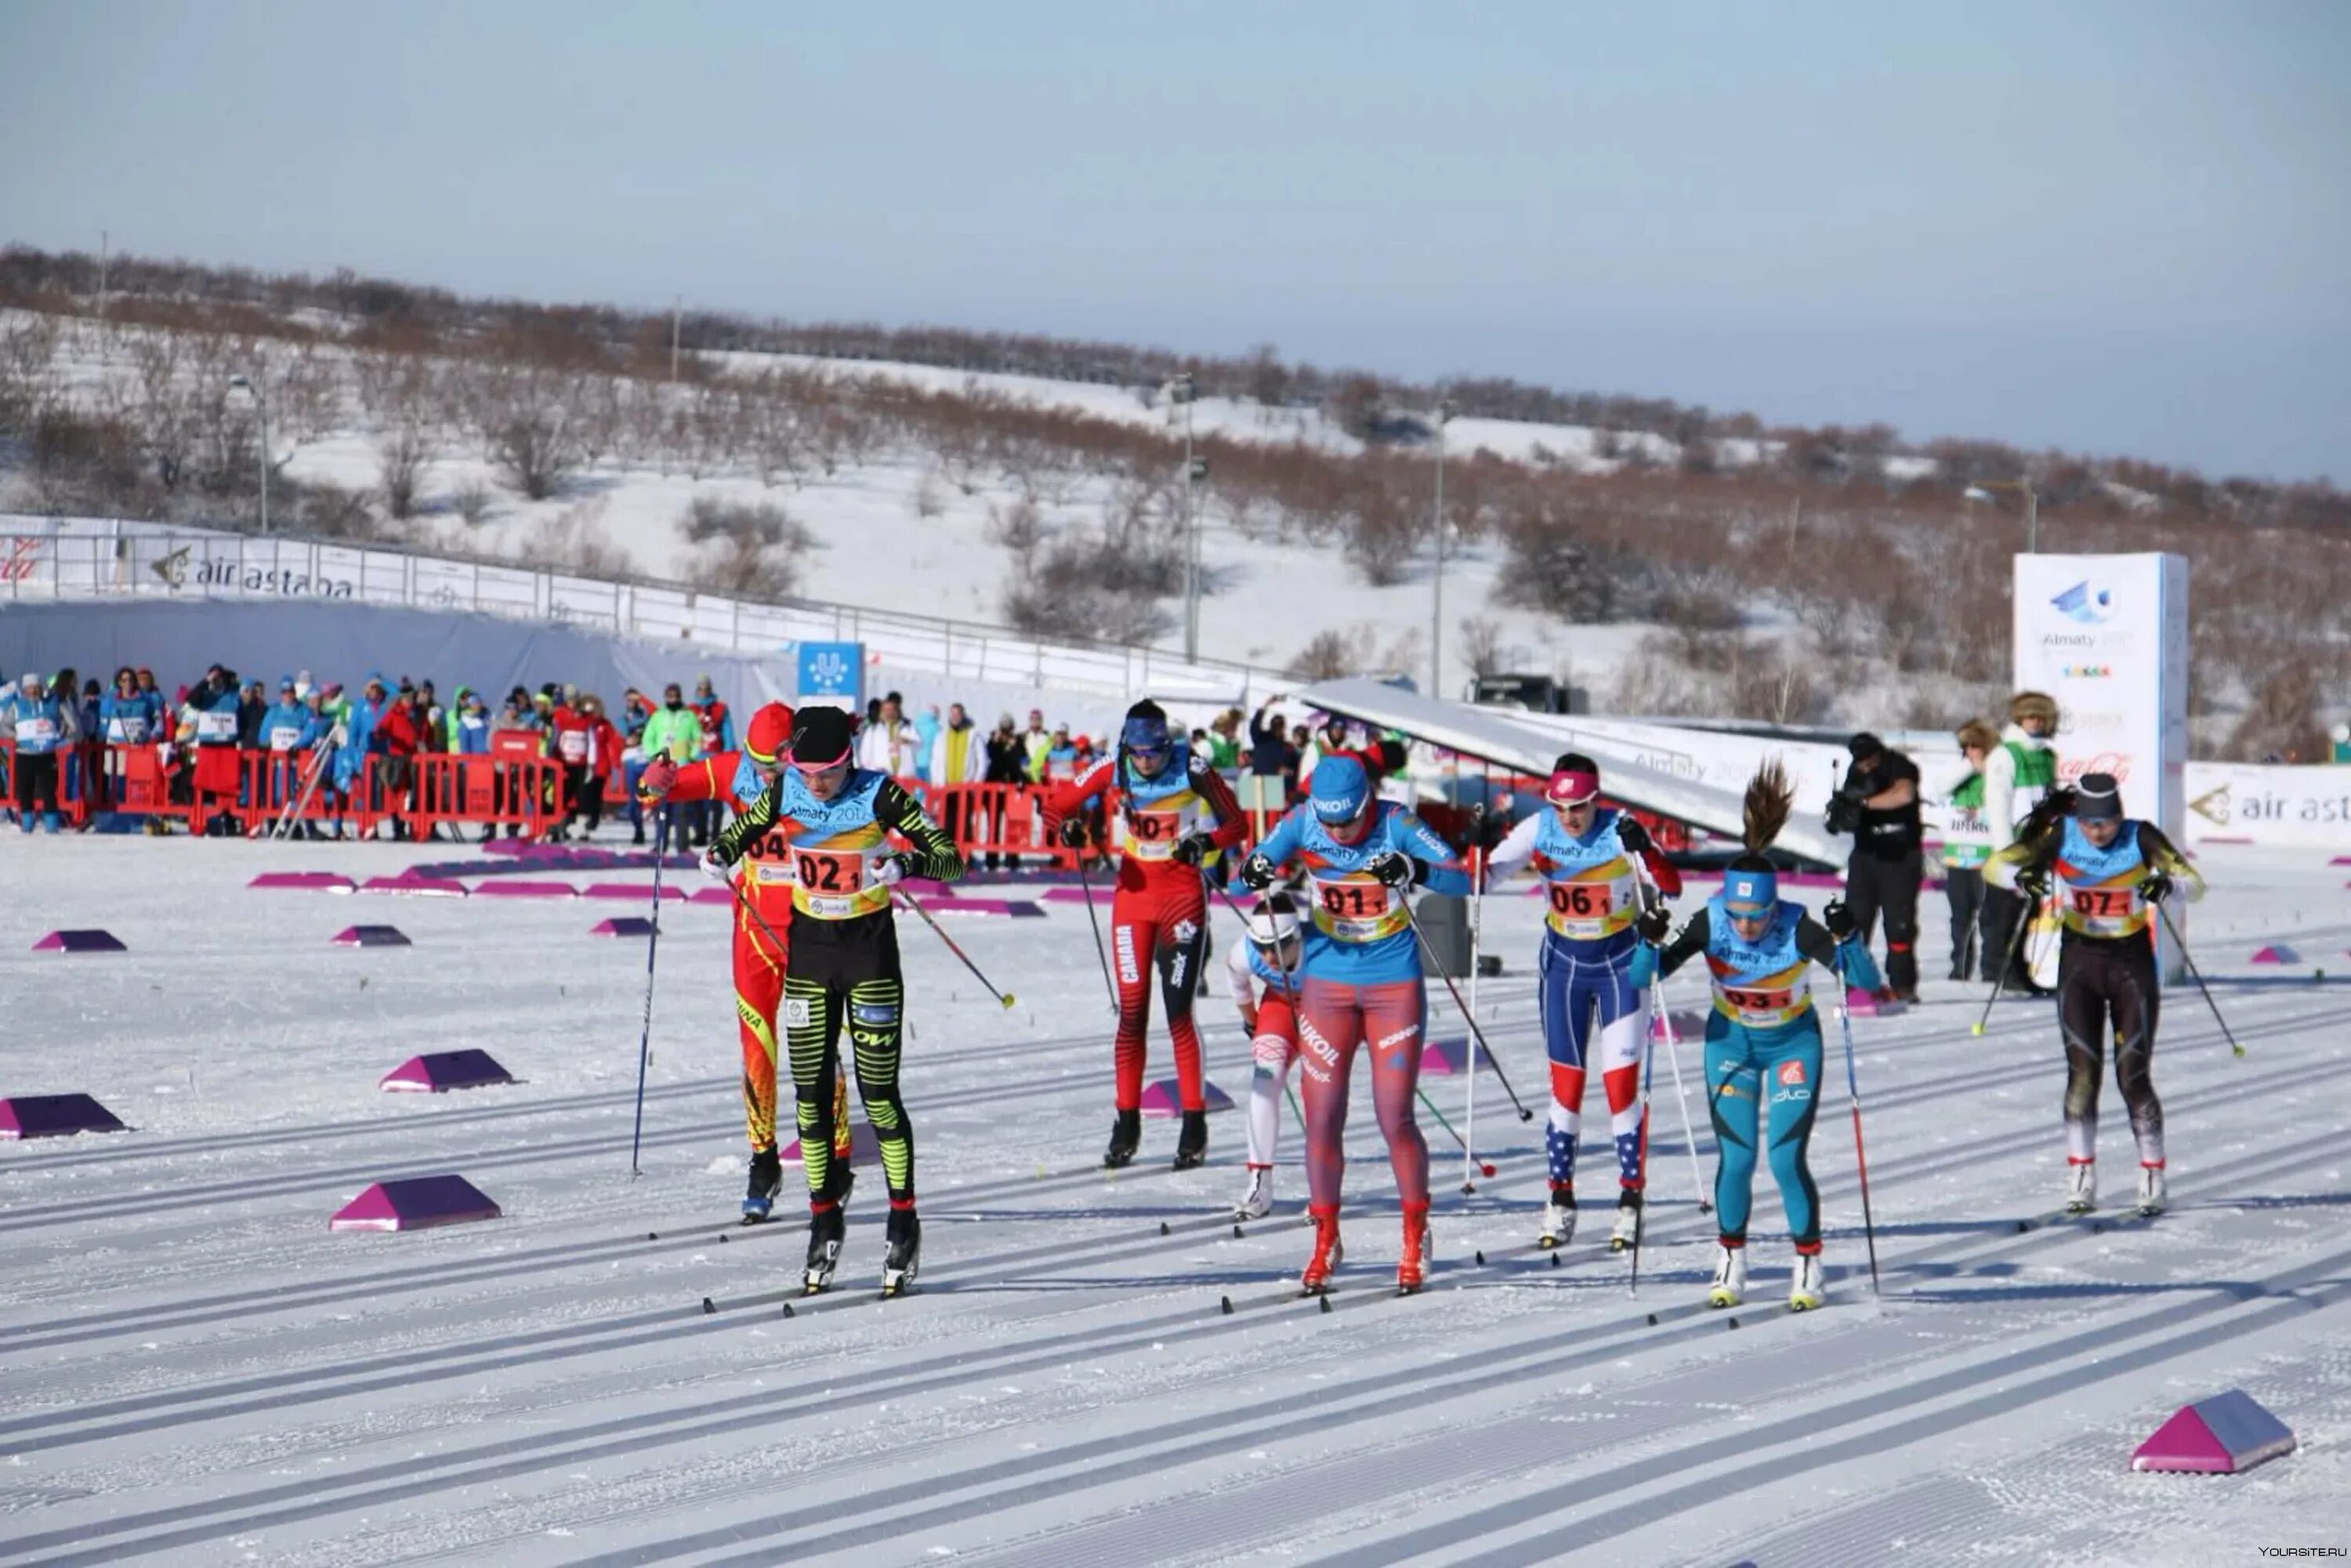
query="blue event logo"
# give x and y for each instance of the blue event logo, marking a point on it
(2086, 602)
(828, 669)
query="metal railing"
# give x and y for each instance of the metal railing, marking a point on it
(55, 557)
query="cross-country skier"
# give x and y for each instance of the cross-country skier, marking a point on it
(1586, 855)
(1363, 986)
(1763, 1038)
(1174, 810)
(1263, 974)
(834, 819)
(2107, 872)
(761, 940)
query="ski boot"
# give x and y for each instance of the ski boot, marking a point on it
(766, 1182)
(1257, 1201)
(1192, 1143)
(2154, 1193)
(1628, 1220)
(1810, 1288)
(1126, 1137)
(1412, 1264)
(827, 1228)
(904, 1256)
(1558, 1216)
(2081, 1187)
(1729, 1286)
(1327, 1253)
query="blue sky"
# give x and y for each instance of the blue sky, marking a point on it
(2113, 227)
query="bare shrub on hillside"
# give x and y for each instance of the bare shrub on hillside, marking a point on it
(403, 453)
(1550, 565)
(525, 419)
(332, 512)
(756, 550)
(29, 381)
(2281, 725)
(574, 540)
(1332, 653)
(1481, 644)
(1381, 535)
(1019, 528)
(472, 500)
(1102, 583)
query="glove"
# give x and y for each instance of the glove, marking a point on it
(1073, 832)
(2155, 887)
(889, 870)
(1257, 873)
(1838, 919)
(1653, 923)
(1396, 869)
(2033, 882)
(656, 781)
(716, 867)
(1843, 813)
(1488, 829)
(1633, 836)
(1193, 848)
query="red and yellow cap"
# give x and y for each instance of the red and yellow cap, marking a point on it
(768, 735)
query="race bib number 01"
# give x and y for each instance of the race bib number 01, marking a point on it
(1355, 900)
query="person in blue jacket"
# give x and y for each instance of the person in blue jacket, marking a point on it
(471, 735)
(1361, 987)
(127, 716)
(1763, 1037)
(38, 724)
(287, 731)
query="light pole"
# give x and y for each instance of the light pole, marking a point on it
(261, 408)
(1982, 492)
(1183, 390)
(1445, 412)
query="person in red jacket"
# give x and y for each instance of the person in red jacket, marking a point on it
(762, 939)
(571, 737)
(401, 729)
(604, 747)
(1173, 809)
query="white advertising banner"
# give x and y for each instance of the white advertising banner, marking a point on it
(2107, 636)
(2250, 803)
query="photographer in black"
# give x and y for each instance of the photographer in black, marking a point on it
(1879, 805)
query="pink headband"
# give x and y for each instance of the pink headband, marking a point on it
(1572, 788)
(805, 766)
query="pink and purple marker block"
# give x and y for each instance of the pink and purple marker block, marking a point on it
(1449, 1058)
(1685, 1023)
(632, 892)
(418, 1202)
(438, 1072)
(623, 925)
(319, 881)
(371, 936)
(2217, 1437)
(1018, 908)
(2276, 953)
(55, 1116)
(80, 941)
(1163, 1098)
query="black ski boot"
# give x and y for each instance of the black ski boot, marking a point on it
(904, 1258)
(1192, 1143)
(827, 1227)
(1126, 1137)
(766, 1182)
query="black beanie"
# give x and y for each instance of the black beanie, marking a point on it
(820, 736)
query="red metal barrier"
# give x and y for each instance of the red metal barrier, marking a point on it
(994, 819)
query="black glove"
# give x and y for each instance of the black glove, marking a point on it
(1257, 873)
(1633, 836)
(2155, 887)
(1073, 832)
(1843, 813)
(1488, 829)
(2033, 882)
(1653, 923)
(1193, 848)
(1396, 869)
(1838, 919)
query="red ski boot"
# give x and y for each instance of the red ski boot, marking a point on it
(1326, 1261)
(1412, 1267)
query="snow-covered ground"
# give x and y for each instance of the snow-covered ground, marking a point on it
(197, 1372)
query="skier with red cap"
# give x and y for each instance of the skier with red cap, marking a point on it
(1590, 857)
(1174, 808)
(762, 936)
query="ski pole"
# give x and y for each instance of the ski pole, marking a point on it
(1689, 1135)
(1861, 1158)
(1094, 920)
(1484, 1167)
(1003, 999)
(645, 1036)
(1477, 925)
(1476, 1035)
(1662, 1023)
(2015, 944)
(1641, 1214)
(2164, 916)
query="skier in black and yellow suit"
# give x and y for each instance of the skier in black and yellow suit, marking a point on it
(836, 819)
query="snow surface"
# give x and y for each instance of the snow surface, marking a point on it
(197, 1372)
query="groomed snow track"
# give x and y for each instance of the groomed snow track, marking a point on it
(194, 1370)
